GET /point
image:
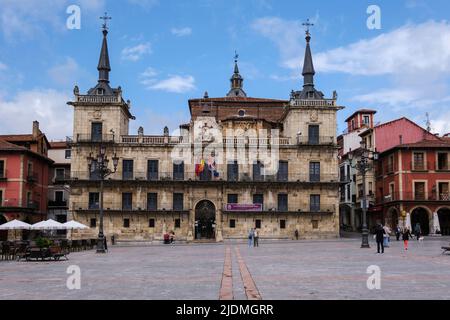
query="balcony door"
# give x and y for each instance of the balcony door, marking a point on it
(96, 131)
(313, 134)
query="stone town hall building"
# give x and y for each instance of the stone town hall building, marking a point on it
(269, 164)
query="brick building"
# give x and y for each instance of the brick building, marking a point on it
(24, 170)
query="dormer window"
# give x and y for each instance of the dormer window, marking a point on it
(100, 91)
(241, 113)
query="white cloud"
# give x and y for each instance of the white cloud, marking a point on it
(68, 73)
(181, 32)
(3, 67)
(135, 53)
(175, 84)
(47, 106)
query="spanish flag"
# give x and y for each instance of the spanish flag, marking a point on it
(199, 168)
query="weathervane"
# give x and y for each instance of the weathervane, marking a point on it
(236, 56)
(105, 19)
(307, 24)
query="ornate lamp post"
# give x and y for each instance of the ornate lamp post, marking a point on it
(99, 167)
(363, 166)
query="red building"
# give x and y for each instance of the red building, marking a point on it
(414, 178)
(24, 173)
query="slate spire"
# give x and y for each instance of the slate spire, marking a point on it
(237, 81)
(104, 66)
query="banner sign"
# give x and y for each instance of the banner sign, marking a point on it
(244, 207)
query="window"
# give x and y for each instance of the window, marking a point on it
(151, 223)
(178, 202)
(282, 224)
(94, 173)
(126, 223)
(258, 171)
(348, 192)
(178, 171)
(1, 198)
(390, 168)
(2, 169)
(360, 190)
(59, 197)
(258, 198)
(177, 223)
(127, 201)
(233, 171)
(314, 171)
(127, 170)
(313, 134)
(419, 161)
(93, 223)
(258, 224)
(443, 191)
(315, 203)
(232, 223)
(100, 91)
(282, 202)
(94, 200)
(59, 174)
(442, 161)
(370, 188)
(68, 154)
(366, 120)
(152, 170)
(96, 131)
(232, 198)
(419, 190)
(283, 171)
(152, 201)
(241, 113)
(353, 124)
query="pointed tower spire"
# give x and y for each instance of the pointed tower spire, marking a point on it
(237, 82)
(104, 66)
(308, 66)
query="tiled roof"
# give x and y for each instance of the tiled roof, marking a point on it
(361, 111)
(59, 145)
(7, 146)
(238, 99)
(18, 137)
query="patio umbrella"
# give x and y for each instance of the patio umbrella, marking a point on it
(408, 222)
(15, 225)
(436, 225)
(48, 225)
(73, 225)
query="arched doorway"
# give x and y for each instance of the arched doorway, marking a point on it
(3, 233)
(444, 221)
(421, 216)
(205, 220)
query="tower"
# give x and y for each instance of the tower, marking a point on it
(237, 82)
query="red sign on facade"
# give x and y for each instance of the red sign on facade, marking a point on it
(244, 207)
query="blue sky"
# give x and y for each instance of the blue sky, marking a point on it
(166, 52)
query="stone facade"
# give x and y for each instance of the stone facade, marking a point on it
(294, 140)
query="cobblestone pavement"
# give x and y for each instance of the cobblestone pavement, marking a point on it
(285, 270)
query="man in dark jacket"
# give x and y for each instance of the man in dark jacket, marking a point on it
(379, 234)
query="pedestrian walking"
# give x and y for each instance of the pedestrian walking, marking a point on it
(387, 236)
(256, 238)
(172, 237)
(379, 236)
(250, 238)
(417, 231)
(296, 234)
(405, 236)
(397, 232)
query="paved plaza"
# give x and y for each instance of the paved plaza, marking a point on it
(334, 269)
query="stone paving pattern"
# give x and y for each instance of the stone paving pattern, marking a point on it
(334, 269)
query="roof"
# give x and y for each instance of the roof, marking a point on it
(370, 111)
(440, 143)
(11, 147)
(18, 137)
(59, 145)
(238, 99)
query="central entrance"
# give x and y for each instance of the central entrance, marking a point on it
(205, 220)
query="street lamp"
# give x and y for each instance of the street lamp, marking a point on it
(99, 167)
(363, 166)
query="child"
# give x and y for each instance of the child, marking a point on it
(406, 236)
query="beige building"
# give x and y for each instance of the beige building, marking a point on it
(269, 164)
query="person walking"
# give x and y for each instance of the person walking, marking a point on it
(397, 232)
(379, 236)
(417, 231)
(250, 238)
(256, 238)
(405, 236)
(387, 236)
(296, 234)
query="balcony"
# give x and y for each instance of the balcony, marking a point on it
(413, 197)
(89, 138)
(189, 177)
(14, 204)
(60, 178)
(316, 141)
(57, 204)
(32, 177)
(119, 207)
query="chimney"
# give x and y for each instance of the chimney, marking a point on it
(36, 131)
